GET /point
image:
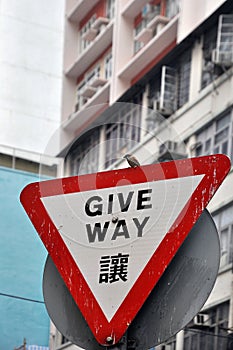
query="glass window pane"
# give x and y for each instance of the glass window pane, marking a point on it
(224, 241)
(207, 146)
(225, 147)
(223, 122)
(227, 216)
(230, 260)
(231, 150)
(221, 135)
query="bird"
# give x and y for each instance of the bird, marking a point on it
(133, 162)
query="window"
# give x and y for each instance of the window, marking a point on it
(163, 91)
(84, 156)
(147, 25)
(183, 71)
(92, 75)
(85, 43)
(123, 133)
(170, 344)
(217, 137)
(110, 9)
(213, 334)
(149, 11)
(224, 47)
(92, 82)
(108, 66)
(154, 117)
(209, 70)
(224, 223)
(81, 100)
(169, 91)
(172, 8)
(139, 27)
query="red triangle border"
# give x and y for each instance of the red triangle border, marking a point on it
(214, 167)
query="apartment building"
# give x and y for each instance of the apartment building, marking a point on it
(154, 78)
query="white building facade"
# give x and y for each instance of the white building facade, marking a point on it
(31, 45)
(154, 78)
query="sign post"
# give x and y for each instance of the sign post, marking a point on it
(112, 235)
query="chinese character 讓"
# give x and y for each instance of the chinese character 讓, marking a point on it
(114, 268)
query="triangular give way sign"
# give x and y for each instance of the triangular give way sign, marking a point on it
(112, 234)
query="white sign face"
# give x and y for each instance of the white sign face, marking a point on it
(112, 233)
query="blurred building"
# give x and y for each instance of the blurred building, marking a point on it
(154, 78)
(22, 257)
(31, 42)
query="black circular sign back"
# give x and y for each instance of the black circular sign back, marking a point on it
(175, 300)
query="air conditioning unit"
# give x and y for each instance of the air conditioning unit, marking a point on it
(100, 23)
(98, 81)
(209, 67)
(97, 26)
(146, 11)
(171, 150)
(90, 34)
(88, 91)
(164, 111)
(224, 58)
(202, 320)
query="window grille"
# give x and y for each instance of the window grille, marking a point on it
(123, 133)
(224, 223)
(85, 43)
(223, 54)
(217, 137)
(168, 93)
(84, 158)
(215, 337)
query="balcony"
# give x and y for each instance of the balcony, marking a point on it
(80, 119)
(90, 34)
(151, 50)
(92, 52)
(132, 8)
(98, 81)
(98, 26)
(152, 28)
(89, 91)
(75, 13)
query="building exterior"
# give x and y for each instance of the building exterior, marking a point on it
(31, 42)
(22, 257)
(154, 78)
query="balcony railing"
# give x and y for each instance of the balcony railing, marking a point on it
(92, 52)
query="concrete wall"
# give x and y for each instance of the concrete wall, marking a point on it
(31, 44)
(193, 13)
(22, 258)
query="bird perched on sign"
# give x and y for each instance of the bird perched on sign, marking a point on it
(133, 162)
